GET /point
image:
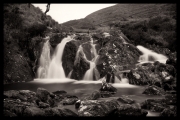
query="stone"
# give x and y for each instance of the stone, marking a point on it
(154, 90)
(126, 100)
(43, 105)
(157, 105)
(128, 110)
(42, 94)
(95, 95)
(8, 113)
(97, 108)
(33, 111)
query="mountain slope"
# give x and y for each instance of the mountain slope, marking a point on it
(123, 12)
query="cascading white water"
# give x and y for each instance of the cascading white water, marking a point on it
(70, 73)
(89, 73)
(55, 69)
(44, 61)
(150, 56)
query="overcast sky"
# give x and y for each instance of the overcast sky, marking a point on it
(65, 12)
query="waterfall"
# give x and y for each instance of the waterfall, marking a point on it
(52, 68)
(55, 69)
(44, 61)
(89, 73)
(150, 56)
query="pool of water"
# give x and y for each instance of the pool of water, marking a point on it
(83, 88)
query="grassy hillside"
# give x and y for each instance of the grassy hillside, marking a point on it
(24, 29)
(143, 24)
(125, 12)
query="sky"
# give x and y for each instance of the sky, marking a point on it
(66, 12)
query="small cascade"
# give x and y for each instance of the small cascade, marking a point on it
(70, 73)
(150, 56)
(78, 53)
(44, 61)
(89, 73)
(55, 69)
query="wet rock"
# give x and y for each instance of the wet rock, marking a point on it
(128, 110)
(105, 94)
(107, 87)
(137, 77)
(167, 112)
(171, 99)
(154, 90)
(60, 93)
(14, 107)
(95, 95)
(42, 94)
(43, 105)
(69, 55)
(157, 105)
(125, 99)
(171, 61)
(10, 93)
(55, 39)
(33, 111)
(8, 113)
(77, 104)
(97, 108)
(69, 100)
(59, 112)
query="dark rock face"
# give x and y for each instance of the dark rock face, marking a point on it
(79, 66)
(115, 51)
(128, 110)
(13, 60)
(69, 55)
(158, 74)
(55, 39)
(154, 90)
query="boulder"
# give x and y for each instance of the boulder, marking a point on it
(107, 87)
(97, 108)
(157, 105)
(55, 111)
(128, 110)
(126, 100)
(43, 105)
(171, 99)
(8, 113)
(169, 112)
(95, 95)
(69, 100)
(42, 94)
(154, 90)
(33, 111)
